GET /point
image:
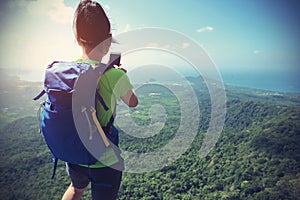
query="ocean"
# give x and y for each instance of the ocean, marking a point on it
(278, 81)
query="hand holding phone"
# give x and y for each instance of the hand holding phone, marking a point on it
(115, 59)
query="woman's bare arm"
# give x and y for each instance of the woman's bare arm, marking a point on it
(130, 99)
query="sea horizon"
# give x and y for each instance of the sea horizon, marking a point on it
(276, 81)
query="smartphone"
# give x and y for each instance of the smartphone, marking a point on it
(115, 59)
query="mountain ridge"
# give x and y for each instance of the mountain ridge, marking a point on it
(256, 157)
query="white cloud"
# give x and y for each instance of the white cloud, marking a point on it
(257, 51)
(159, 46)
(17, 3)
(44, 37)
(55, 9)
(153, 45)
(185, 45)
(127, 28)
(107, 7)
(204, 29)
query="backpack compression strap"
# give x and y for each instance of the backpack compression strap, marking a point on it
(39, 95)
(54, 160)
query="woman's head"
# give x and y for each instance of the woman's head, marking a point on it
(91, 25)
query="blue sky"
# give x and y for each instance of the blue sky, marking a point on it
(237, 34)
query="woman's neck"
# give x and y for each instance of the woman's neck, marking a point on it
(92, 55)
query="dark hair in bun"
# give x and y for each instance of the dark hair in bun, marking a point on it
(91, 25)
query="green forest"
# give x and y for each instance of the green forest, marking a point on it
(256, 157)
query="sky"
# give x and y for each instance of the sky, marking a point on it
(241, 35)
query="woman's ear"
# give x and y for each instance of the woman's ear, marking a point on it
(79, 42)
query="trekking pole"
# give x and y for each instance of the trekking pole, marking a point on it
(94, 116)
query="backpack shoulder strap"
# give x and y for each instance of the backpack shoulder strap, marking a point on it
(101, 69)
(100, 99)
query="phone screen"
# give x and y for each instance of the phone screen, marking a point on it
(115, 59)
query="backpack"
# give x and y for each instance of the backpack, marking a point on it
(68, 118)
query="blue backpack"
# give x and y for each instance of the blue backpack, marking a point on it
(67, 117)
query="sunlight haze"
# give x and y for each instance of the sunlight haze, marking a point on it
(238, 35)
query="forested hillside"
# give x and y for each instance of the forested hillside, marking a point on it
(16, 98)
(256, 157)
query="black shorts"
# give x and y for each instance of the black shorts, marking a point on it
(105, 182)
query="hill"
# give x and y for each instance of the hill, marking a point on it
(16, 98)
(256, 157)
